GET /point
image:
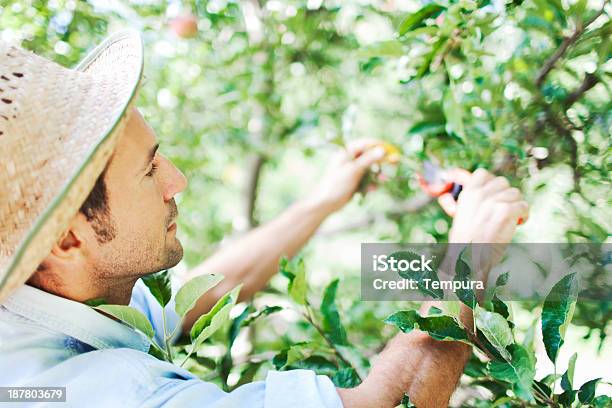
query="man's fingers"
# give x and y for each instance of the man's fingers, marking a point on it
(495, 185)
(369, 157)
(517, 210)
(448, 204)
(478, 178)
(357, 147)
(509, 195)
(458, 175)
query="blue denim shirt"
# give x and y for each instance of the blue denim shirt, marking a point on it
(46, 340)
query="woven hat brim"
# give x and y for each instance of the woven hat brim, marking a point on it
(36, 244)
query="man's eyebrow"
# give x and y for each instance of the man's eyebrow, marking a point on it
(151, 155)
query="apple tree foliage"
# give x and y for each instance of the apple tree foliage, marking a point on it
(519, 87)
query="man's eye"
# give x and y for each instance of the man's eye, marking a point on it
(152, 171)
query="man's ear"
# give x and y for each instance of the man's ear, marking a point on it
(69, 245)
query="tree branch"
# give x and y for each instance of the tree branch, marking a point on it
(567, 42)
(567, 135)
(411, 206)
(254, 173)
(590, 80)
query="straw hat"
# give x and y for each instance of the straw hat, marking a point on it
(58, 128)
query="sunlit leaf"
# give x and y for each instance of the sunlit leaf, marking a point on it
(495, 328)
(190, 292)
(416, 19)
(519, 372)
(129, 316)
(295, 271)
(567, 380)
(212, 321)
(391, 48)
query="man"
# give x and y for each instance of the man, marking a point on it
(87, 208)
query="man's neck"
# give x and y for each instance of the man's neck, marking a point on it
(117, 291)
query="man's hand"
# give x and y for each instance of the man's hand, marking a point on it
(427, 369)
(487, 209)
(346, 170)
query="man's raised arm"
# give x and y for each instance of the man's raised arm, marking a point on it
(252, 260)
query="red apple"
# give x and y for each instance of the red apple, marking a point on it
(185, 26)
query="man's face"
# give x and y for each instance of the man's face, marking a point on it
(141, 185)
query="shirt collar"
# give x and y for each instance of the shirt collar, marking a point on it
(74, 319)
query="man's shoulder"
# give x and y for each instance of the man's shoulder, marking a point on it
(108, 377)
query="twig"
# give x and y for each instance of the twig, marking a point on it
(252, 187)
(567, 42)
(589, 81)
(331, 344)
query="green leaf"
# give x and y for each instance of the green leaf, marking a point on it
(429, 57)
(419, 276)
(316, 363)
(159, 286)
(265, 311)
(495, 328)
(567, 380)
(191, 291)
(295, 271)
(475, 367)
(502, 279)
(587, 391)
(415, 20)
(463, 273)
(302, 355)
(499, 306)
(557, 313)
(129, 316)
(602, 401)
(298, 352)
(346, 378)
(391, 48)
(280, 360)
(567, 398)
(212, 321)
(95, 302)
(247, 317)
(405, 403)
(427, 128)
(237, 323)
(439, 327)
(248, 373)
(157, 353)
(453, 111)
(331, 318)
(519, 372)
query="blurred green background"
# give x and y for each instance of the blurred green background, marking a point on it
(251, 103)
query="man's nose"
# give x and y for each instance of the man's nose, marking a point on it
(175, 181)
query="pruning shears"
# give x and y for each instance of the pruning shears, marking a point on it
(444, 184)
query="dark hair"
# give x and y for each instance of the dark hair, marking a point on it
(95, 209)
